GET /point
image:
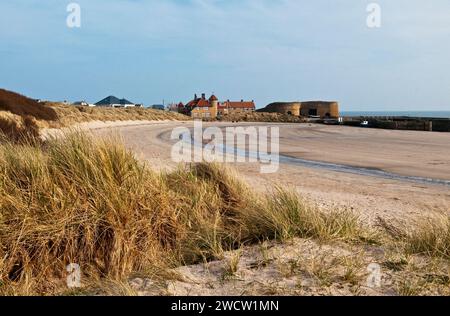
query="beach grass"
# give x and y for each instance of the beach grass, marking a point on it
(69, 115)
(429, 236)
(76, 199)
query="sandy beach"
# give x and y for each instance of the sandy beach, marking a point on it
(269, 272)
(407, 153)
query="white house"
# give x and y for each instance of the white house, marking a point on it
(82, 103)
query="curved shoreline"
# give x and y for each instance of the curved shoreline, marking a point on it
(341, 168)
(285, 158)
(336, 167)
(371, 172)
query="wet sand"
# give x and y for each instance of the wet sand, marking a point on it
(410, 153)
(407, 153)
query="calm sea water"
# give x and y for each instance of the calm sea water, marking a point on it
(436, 114)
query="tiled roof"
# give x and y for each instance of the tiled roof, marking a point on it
(199, 103)
(113, 100)
(239, 105)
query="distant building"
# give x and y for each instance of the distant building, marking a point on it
(172, 107)
(200, 107)
(114, 102)
(82, 103)
(312, 109)
(229, 107)
(158, 107)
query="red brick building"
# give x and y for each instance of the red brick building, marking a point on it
(200, 107)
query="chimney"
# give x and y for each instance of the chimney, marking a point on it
(195, 96)
(203, 96)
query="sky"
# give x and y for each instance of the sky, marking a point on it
(264, 50)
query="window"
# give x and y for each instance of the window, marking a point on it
(312, 112)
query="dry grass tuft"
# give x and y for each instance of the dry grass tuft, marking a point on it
(17, 129)
(287, 215)
(430, 236)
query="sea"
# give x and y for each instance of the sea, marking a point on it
(434, 114)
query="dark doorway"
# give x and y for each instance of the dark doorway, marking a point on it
(289, 113)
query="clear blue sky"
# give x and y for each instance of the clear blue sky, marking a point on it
(266, 50)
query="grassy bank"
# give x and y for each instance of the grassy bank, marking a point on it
(261, 117)
(22, 118)
(91, 202)
(70, 115)
(23, 106)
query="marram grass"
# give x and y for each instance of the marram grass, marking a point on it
(89, 201)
